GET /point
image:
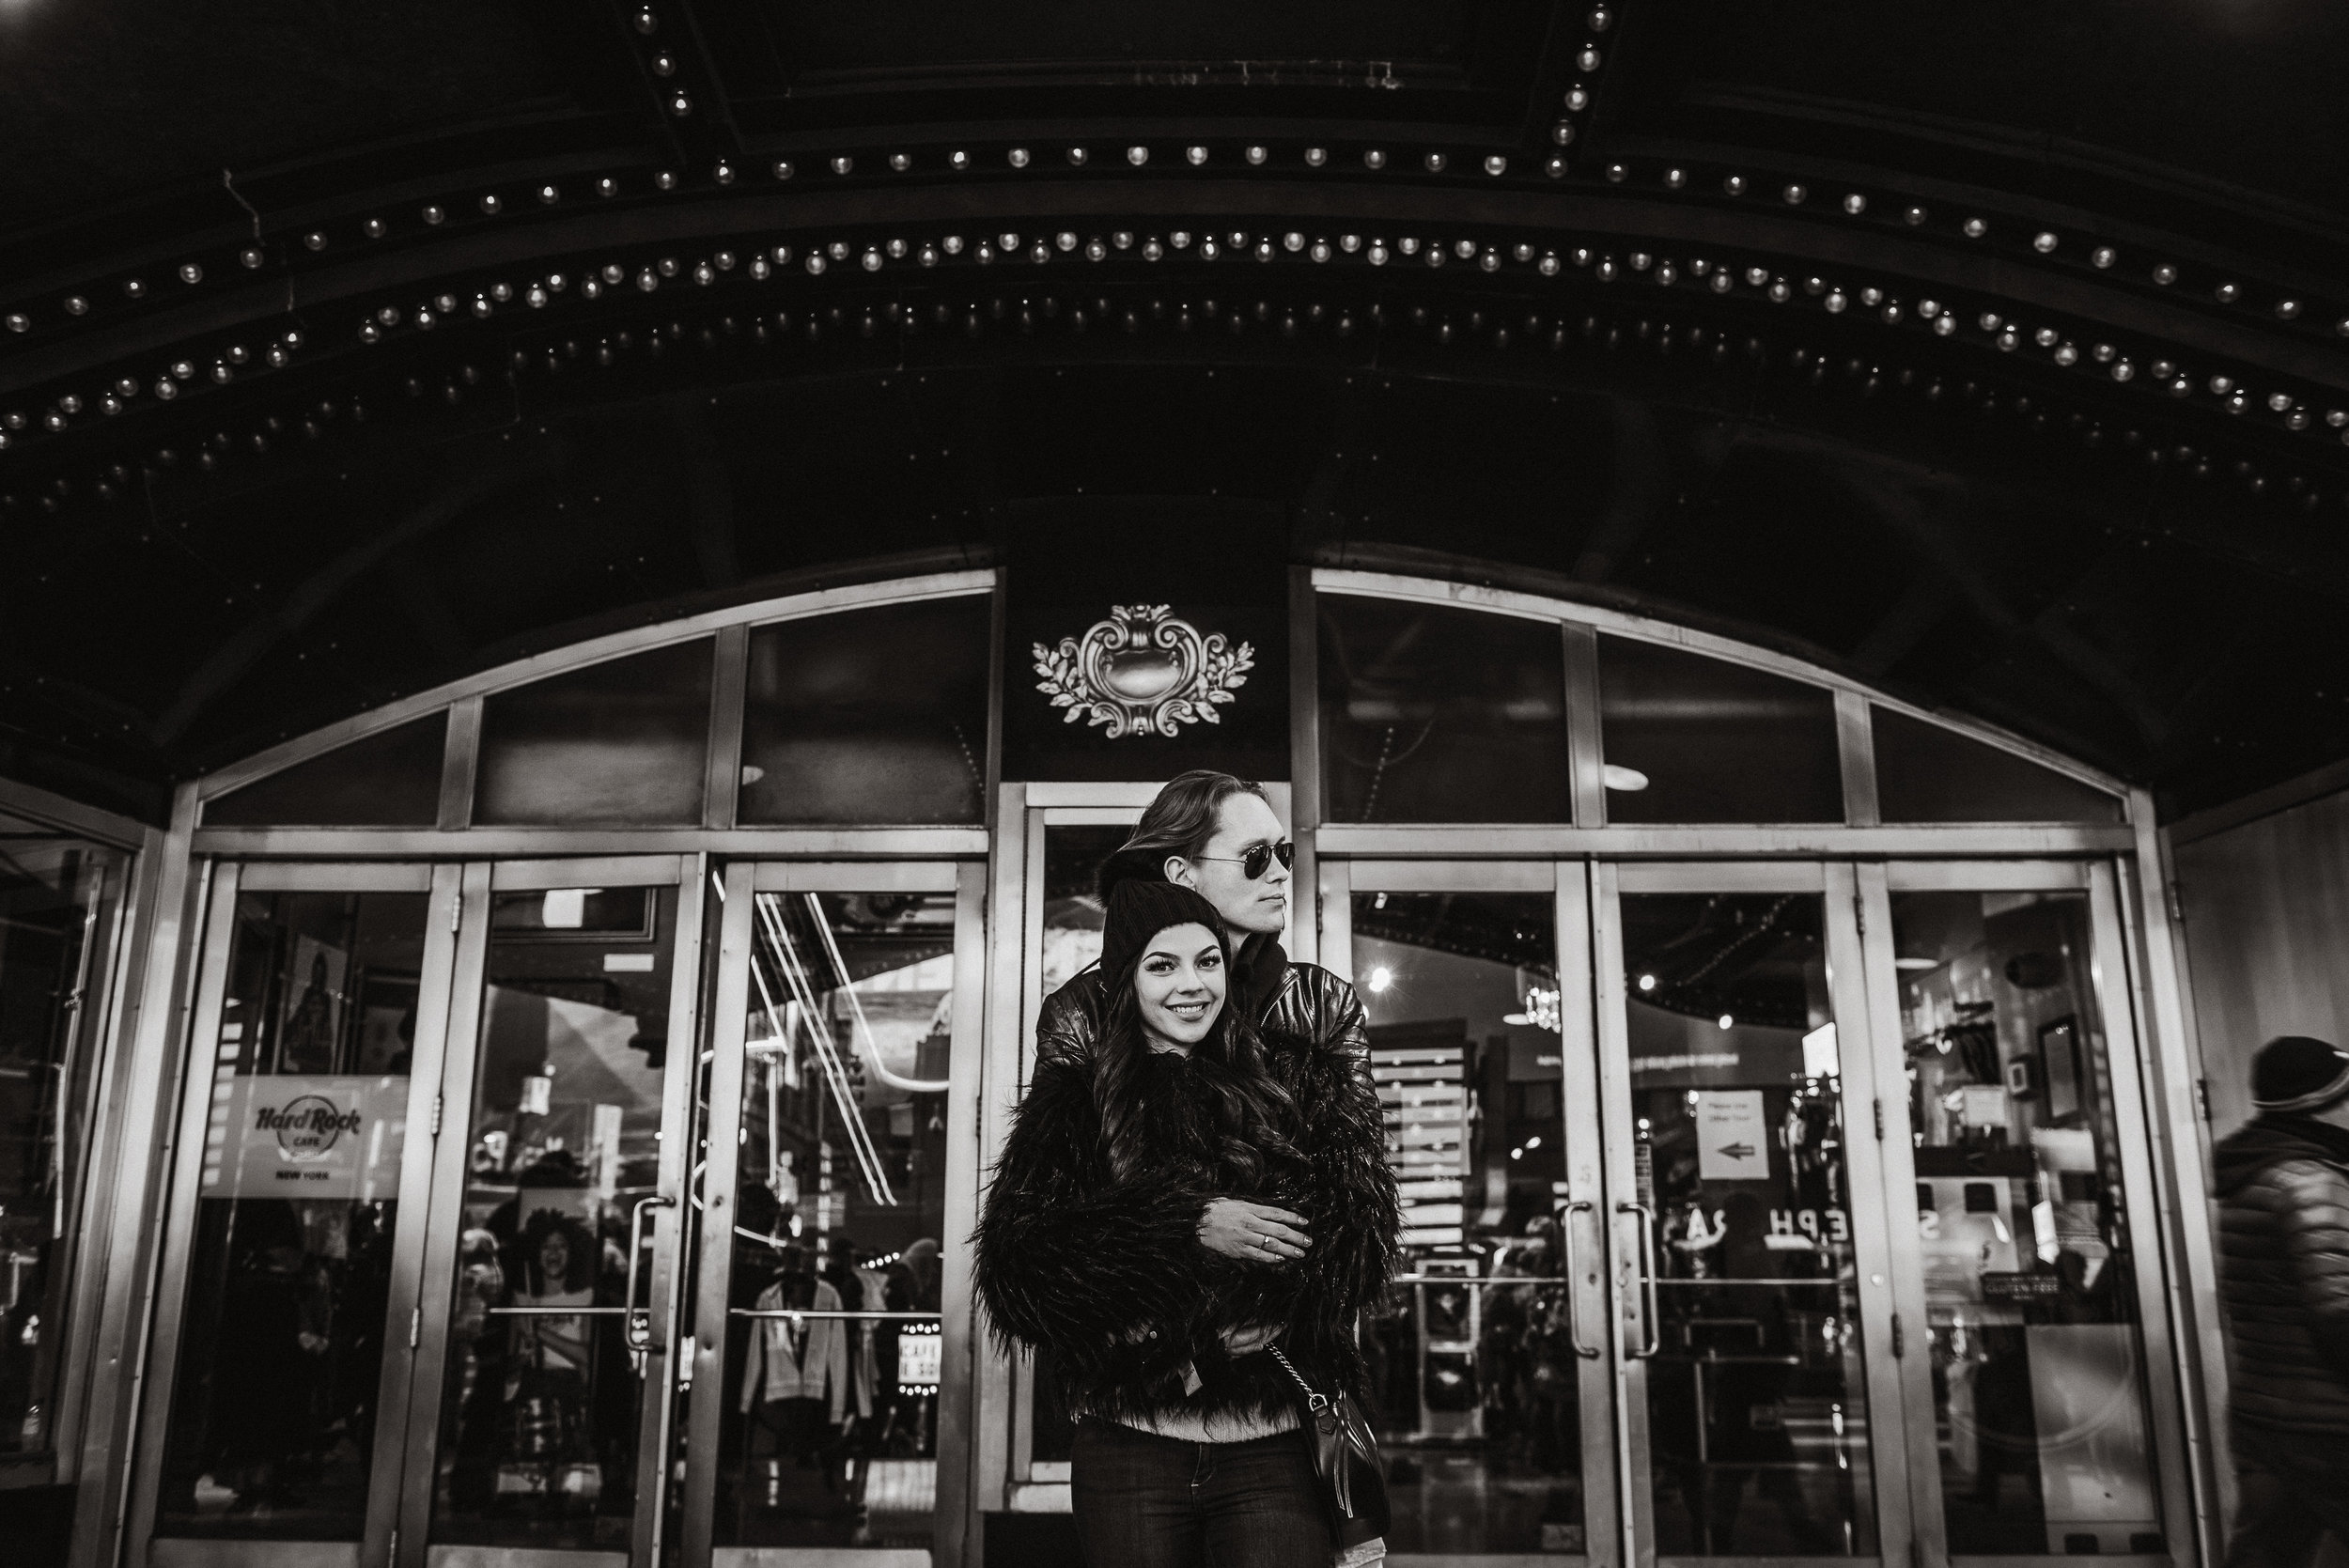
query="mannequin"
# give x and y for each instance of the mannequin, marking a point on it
(795, 1378)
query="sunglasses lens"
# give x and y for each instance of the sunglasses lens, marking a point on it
(1260, 856)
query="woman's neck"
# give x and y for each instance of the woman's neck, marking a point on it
(1159, 1042)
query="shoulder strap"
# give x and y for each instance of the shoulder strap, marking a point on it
(1313, 1401)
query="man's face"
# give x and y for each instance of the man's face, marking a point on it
(1248, 905)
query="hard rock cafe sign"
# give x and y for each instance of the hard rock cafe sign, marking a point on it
(1142, 672)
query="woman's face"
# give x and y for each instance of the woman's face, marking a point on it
(554, 1259)
(1180, 985)
(1262, 905)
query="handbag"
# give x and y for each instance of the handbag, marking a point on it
(1345, 1457)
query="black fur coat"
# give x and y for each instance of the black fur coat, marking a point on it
(1110, 1278)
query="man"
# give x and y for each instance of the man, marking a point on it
(2283, 1195)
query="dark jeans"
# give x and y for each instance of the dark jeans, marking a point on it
(1144, 1502)
(2296, 1486)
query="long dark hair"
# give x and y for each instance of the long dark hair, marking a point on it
(1254, 1120)
(1180, 821)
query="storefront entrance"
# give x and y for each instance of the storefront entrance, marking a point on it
(513, 1186)
(1761, 1211)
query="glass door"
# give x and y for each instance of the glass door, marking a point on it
(1493, 1394)
(539, 1409)
(1756, 1338)
(281, 1364)
(2043, 1413)
(829, 1356)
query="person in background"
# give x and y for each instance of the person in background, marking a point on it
(2283, 1204)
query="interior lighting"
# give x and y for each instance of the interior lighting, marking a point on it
(1381, 978)
(1535, 1142)
(1917, 965)
(1727, 1021)
(1647, 982)
(1628, 780)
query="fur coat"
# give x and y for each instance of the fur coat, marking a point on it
(1111, 1279)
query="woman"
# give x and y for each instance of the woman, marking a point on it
(1170, 1205)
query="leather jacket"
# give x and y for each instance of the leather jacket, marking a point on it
(2283, 1204)
(1307, 1004)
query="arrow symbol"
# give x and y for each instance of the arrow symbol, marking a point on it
(1739, 1150)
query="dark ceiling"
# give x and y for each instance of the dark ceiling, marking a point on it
(1998, 353)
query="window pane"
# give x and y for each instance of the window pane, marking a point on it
(1926, 772)
(871, 716)
(2030, 1286)
(620, 742)
(388, 779)
(538, 1413)
(830, 1432)
(54, 894)
(1431, 714)
(1757, 1400)
(281, 1350)
(1693, 740)
(1475, 1382)
(1072, 943)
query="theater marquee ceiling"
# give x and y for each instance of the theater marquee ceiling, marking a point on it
(1998, 354)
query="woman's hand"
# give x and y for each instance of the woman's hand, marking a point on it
(1252, 1233)
(1248, 1341)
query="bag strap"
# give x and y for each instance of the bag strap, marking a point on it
(1313, 1401)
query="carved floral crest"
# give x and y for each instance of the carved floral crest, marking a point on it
(1142, 672)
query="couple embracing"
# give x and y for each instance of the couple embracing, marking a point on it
(1194, 1209)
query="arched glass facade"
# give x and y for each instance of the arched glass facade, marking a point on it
(586, 1074)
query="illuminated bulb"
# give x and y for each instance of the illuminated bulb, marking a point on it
(1726, 1020)
(1628, 780)
(1647, 983)
(1380, 979)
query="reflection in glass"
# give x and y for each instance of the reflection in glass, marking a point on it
(619, 742)
(281, 1349)
(2038, 1380)
(56, 897)
(1073, 857)
(391, 779)
(1757, 1405)
(870, 716)
(830, 1436)
(1431, 714)
(539, 1408)
(1475, 1378)
(1927, 772)
(1689, 739)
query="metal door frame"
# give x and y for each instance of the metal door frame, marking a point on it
(713, 1196)
(437, 1274)
(1569, 883)
(2109, 980)
(1882, 1331)
(184, 1159)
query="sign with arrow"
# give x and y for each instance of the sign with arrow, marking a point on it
(1733, 1146)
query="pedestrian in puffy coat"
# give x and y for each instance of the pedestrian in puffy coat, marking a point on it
(2283, 1198)
(1173, 1202)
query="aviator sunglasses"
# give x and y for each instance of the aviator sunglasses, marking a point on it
(1258, 860)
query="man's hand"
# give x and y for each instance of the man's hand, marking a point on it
(1252, 1233)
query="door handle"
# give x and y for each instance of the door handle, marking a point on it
(1574, 1281)
(637, 1325)
(1647, 1279)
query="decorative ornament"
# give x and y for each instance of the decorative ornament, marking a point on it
(1142, 672)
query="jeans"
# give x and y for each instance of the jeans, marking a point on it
(1146, 1502)
(2296, 1487)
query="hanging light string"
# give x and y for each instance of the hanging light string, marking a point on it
(804, 989)
(861, 1030)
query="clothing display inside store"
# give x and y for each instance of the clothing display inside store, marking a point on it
(830, 1432)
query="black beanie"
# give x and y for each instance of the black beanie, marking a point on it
(1139, 909)
(2294, 1073)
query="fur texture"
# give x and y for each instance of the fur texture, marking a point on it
(1110, 1278)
